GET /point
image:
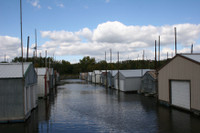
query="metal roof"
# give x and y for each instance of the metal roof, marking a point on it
(151, 73)
(133, 73)
(114, 72)
(13, 70)
(41, 71)
(195, 57)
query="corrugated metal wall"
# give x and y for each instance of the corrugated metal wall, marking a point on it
(180, 69)
(31, 76)
(148, 84)
(132, 84)
(11, 99)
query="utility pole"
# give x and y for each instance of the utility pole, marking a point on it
(45, 58)
(175, 41)
(110, 56)
(192, 49)
(156, 72)
(21, 38)
(4, 57)
(106, 72)
(159, 51)
(49, 63)
(167, 55)
(36, 43)
(118, 71)
(27, 49)
(155, 56)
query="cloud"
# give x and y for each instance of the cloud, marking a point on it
(107, 1)
(129, 40)
(60, 36)
(61, 5)
(116, 32)
(49, 7)
(85, 33)
(35, 3)
(9, 46)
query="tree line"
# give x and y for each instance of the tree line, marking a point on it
(88, 64)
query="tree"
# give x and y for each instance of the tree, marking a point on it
(87, 64)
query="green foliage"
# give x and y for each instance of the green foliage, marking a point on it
(88, 64)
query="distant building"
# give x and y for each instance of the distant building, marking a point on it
(129, 80)
(89, 78)
(179, 82)
(17, 93)
(43, 82)
(110, 78)
(96, 74)
(51, 78)
(83, 75)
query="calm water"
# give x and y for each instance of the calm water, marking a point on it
(80, 107)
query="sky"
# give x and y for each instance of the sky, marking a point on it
(72, 29)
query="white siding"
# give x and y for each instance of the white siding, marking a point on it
(121, 84)
(41, 86)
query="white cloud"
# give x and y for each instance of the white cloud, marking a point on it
(60, 36)
(49, 7)
(35, 3)
(116, 32)
(130, 41)
(61, 5)
(107, 1)
(10, 47)
(85, 33)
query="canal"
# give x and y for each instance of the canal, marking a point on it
(79, 107)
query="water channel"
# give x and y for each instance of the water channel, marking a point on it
(79, 107)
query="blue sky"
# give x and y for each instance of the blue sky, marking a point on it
(71, 29)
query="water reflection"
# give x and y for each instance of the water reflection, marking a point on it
(82, 107)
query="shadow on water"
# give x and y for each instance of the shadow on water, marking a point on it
(78, 106)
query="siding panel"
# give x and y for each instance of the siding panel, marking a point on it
(180, 69)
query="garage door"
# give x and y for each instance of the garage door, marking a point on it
(180, 94)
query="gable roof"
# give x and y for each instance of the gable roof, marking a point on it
(113, 72)
(188, 56)
(41, 71)
(13, 70)
(133, 73)
(151, 73)
(194, 57)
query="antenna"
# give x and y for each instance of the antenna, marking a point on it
(143, 55)
(106, 72)
(175, 40)
(192, 49)
(155, 56)
(167, 55)
(27, 49)
(159, 49)
(4, 57)
(118, 71)
(36, 43)
(21, 38)
(45, 58)
(110, 55)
